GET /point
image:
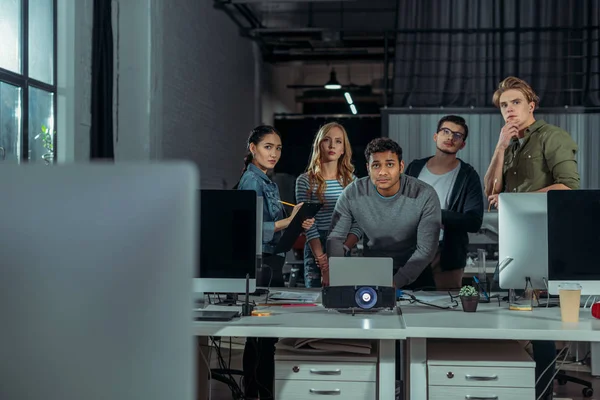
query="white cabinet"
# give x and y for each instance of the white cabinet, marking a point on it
(481, 370)
(345, 376)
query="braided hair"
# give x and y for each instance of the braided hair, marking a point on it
(256, 136)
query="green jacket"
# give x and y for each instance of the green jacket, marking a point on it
(545, 156)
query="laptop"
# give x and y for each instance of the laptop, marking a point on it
(361, 271)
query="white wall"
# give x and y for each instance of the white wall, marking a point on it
(136, 73)
(208, 98)
(74, 70)
(184, 79)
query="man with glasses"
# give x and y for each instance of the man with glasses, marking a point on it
(458, 187)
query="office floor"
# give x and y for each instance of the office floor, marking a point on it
(221, 392)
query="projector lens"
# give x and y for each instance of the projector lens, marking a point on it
(366, 297)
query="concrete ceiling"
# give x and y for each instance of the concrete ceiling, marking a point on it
(317, 30)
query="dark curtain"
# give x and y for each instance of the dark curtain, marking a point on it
(101, 134)
(455, 52)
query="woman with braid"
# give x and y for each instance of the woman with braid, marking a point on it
(264, 151)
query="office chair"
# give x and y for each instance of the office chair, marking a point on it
(562, 379)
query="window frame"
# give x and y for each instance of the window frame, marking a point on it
(23, 81)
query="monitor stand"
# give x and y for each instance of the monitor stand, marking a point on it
(524, 301)
(230, 300)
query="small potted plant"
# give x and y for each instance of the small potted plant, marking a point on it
(47, 137)
(469, 297)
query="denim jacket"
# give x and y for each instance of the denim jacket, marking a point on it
(255, 179)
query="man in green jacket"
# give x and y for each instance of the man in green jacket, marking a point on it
(531, 156)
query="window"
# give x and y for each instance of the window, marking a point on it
(28, 80)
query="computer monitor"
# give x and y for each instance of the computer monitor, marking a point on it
(228, 241)
(96, 276)
(522, 240)
(574, 239)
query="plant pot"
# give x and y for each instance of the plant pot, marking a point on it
(469, 303)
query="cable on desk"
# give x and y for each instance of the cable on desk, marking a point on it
(552, 363)
(412, 299)
(547, 291)
(551, 382)
(588, 299)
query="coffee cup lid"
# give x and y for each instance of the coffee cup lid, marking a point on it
(569, 286)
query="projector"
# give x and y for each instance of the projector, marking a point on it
(359, 298)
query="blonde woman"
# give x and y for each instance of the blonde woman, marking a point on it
(329, 172)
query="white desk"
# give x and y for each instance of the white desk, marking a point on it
(317, 322)
(489, 322)
(417, 324)
(307, 322)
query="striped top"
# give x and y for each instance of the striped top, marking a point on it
(333, 190)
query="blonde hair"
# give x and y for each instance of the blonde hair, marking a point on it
(345, 169)
(515, 83)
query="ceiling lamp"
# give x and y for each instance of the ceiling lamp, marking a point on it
(333, 83)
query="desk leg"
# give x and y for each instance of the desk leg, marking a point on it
(595, 358)
(417, 382)
(387, 370)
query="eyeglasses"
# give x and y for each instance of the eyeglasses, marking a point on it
(455, 135)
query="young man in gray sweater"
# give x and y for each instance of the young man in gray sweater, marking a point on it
(400, 215)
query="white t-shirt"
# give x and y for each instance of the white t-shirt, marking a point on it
(443, 185)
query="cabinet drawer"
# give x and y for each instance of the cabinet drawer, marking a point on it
(480, 393)
(449, 375)
(300, 390)
(326, 371)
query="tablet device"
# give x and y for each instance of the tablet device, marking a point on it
(308, 210)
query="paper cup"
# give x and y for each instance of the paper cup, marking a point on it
(570, 299)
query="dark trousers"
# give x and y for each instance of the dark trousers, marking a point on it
(258, 361)
(544, 353)
(258, 364)
(270, 274)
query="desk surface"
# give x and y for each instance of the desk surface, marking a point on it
(416, 321)
(307, 322)
(493, 322)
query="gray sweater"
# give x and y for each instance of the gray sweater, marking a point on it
(405, 226)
